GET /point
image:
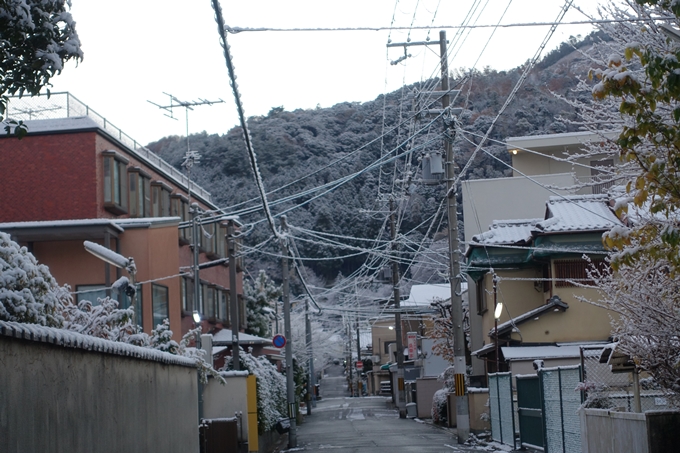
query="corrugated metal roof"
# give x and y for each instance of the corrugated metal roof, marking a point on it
(507, 232)
(578, 213)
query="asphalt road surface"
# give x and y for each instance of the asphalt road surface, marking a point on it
(341, 424)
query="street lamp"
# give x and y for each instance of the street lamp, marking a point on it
(115, 259)
(197, 322)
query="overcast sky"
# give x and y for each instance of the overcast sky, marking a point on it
(136, 50)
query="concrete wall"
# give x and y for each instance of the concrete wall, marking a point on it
(68, 399)
(478, 403)
(425, 390)
(486, 200)
(224, 401)
(604, 431)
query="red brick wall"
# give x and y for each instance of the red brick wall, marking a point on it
(48, 177)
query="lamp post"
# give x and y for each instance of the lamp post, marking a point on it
(118, 260)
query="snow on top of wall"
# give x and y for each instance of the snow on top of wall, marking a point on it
(578, 213)
(69, 339)
(507, 232)
(62, 223)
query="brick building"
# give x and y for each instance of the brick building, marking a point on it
(76, 177)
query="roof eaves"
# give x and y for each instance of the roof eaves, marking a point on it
(554, 303)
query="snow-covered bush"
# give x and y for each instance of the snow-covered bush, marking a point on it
(440, 406)
(271, 390)
(101, 320)
(28, 292)
(440, 399)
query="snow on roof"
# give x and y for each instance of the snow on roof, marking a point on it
(578, 213)
(62, 223)
(224, 337)
(69, 339)
(514, 353)
(507, 232)
(424, 295)
(61, 124)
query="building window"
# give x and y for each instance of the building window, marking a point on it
(187, 294)
(180, 208)
(224, 306)
(567, 272)
(160, 303)
(221, 240)
(160, 199)
(140, 193)
(207, 233)
(481, 297)
(90, 292)
(209, 301)
(115, 183)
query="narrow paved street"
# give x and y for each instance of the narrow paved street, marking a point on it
(368, 424)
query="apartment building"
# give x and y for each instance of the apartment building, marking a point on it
(76, 177)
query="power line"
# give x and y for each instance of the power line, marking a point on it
(235, 30)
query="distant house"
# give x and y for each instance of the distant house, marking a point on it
(77, 177)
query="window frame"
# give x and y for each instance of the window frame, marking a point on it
(115, 193)
(139, 196)
(160, 199)
(154, 307)
(575, 269)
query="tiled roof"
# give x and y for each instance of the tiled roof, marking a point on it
(507, 232)
(578, 213)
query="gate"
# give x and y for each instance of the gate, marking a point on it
(560, 405)
(530, 411)
(501, 408)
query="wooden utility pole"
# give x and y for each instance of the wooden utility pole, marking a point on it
(233, 297)
(287, 331)
(462, 407)
(401, 397)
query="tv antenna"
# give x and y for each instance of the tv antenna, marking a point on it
(191, 157)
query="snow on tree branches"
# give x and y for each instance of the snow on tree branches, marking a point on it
(36, 38)
(28, 292)
(636, 86)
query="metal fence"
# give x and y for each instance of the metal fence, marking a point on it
(561, 401)
(501, 408)
(65, 105)
(603, 389)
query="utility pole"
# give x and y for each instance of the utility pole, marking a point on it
(360, 384)
(310, 357)
(462, 407)
(290, 383)
(233, 297)
(349, 356)
(401, 397)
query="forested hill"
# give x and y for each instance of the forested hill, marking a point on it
(332, 143)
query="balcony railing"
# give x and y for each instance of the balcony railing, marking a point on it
(65, 105)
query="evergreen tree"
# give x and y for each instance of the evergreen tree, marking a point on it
(260, 296)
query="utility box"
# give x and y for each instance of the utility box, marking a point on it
(411, 410)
